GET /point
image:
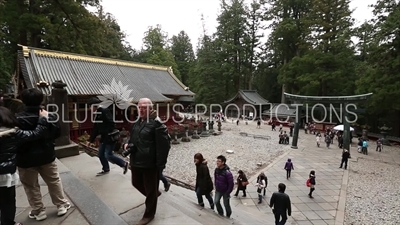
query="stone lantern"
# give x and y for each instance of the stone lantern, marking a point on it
(64, 146)
(195, 129)
(204, 133)
(175, 133)
(185, 137)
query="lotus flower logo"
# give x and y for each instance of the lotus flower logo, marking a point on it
(117, 94)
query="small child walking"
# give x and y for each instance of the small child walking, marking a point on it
(288, 167)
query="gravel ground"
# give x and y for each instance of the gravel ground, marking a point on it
(248, 151)
(373, 194)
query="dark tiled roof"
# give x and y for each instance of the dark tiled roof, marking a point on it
(87, 75)
(281, 110)
(251, 97)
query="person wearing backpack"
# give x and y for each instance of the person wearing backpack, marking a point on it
(39, 157)
(288, 167)
(149, 146)
(311, 183)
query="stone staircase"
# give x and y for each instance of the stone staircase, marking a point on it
(111, 199)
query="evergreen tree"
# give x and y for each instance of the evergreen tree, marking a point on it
(183, 53)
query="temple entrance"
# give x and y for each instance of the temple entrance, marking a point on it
(344, 101)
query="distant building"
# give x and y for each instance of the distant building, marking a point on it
(246, 102)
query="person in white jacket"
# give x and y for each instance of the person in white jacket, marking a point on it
(318, 137)
(260, 186)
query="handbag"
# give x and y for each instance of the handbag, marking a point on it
(245, 183)
(308, 183)
(114, 135)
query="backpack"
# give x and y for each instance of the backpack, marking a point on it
(308, 182)
(163, 140)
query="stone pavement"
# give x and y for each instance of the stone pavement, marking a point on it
(328, 204)
(73, 217)
(327, 207)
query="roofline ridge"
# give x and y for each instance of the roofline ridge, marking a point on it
(171, 72)
(89, 58)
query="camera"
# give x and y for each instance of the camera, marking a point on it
(128, 150)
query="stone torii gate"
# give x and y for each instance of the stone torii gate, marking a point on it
(345, 100)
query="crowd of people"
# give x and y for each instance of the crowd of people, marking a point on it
(27, 145)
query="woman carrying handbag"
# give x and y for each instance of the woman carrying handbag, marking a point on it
(242, 183)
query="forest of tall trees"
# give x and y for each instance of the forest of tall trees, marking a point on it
(311, 49)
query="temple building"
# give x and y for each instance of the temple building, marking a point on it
(89, 76)
(247, 103)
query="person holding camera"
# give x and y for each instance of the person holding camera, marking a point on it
(148, 146)
(105, 127)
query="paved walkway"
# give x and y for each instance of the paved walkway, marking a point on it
(73, 217)
(328, 205)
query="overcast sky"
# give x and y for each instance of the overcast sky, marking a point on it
(135, 16)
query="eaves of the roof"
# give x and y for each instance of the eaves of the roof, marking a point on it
(253, 97)
(280, 110)
(88, 75)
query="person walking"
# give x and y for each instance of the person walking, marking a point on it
(261, 184)
(318, 138)
(345, 158)
(242, 183)
(379, 144)
(149, 146)
(167, 185)
(264, 177)
(105, 127)
(282, 207)
(10, 139)
(288, 167)
(204, 184)
(311, 183)
(223, 186)
(39, 157)
(328, 139)
(365, 147)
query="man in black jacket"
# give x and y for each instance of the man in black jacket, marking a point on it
(281, 203)
(149, 147)
(38, 157)
(104, 125)
(345, 158)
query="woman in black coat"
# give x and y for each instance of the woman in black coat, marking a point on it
(10, 140)
(204, 184)
(312, 183)
(242, 183)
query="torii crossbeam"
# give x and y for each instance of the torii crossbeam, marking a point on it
(326, 99)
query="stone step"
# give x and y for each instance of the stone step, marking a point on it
(242, 214)
(116, 191)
